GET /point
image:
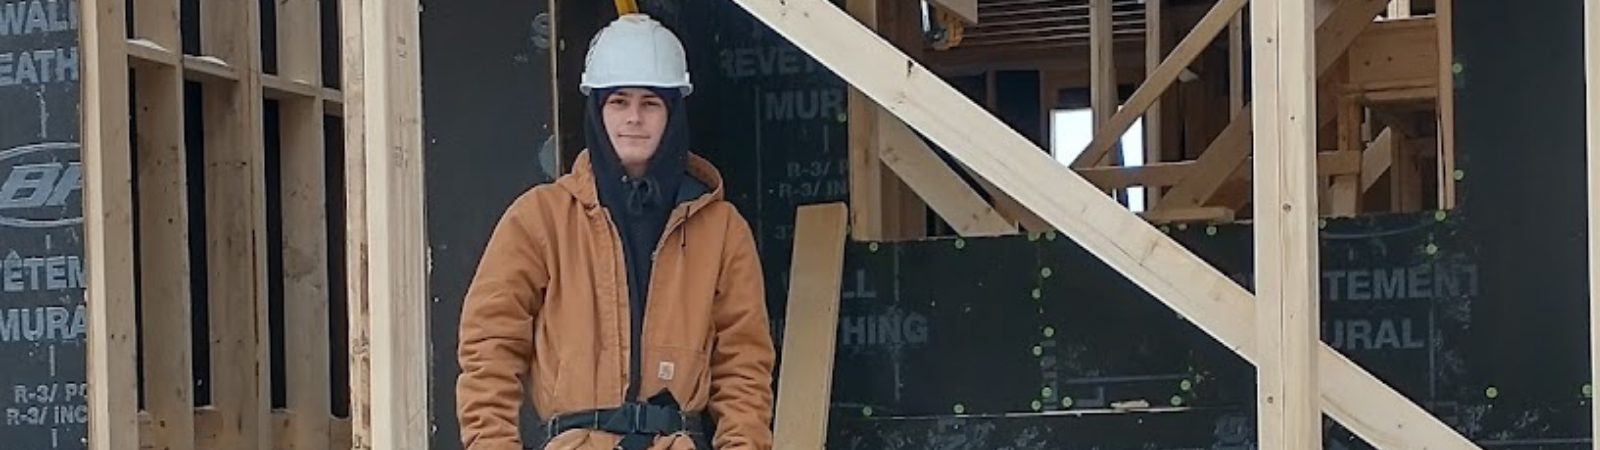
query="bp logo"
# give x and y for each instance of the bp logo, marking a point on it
(41, 186)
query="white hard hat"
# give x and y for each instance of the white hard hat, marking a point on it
(635, 50)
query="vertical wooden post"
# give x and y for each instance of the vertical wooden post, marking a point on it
(352, 77)
(108, 228)
(881, 206)
(235, 178)
(305, 232)
(1154, 135)
(1287, 339)
(1447, 104)
(1591, 57)
(163, 232)
(396, 241)
(1103, 99)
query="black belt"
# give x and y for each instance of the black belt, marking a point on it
(630, 418)
(636, 422)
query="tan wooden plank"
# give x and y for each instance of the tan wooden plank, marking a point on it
(1447, 104)
(305, 271)
(1190, 214)
(1591, 58)
(1008, 207)
(357, 299)
(1225, 154)
(1342, 26)
(1236, 66)
(936, 183)
(1150, 259)
(392, 117)
(810, 327)
(163, 225)
(1377, 158)
(882, 206)
(1172, 173)
(208, 69)
(1288, 412)
(1106, 135)
(1154, 142)
(108, 228)
(236, 228)
(967, 10)
(207, 424)
(1103, 98)
(299, 40)
(143, 52)
(164, 255)
(282, 88)
(1396, 51)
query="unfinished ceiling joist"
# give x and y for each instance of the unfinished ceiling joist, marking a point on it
(1152, 260)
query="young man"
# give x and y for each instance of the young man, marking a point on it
(628, 293)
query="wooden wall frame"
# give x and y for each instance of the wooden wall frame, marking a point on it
(1172, 274)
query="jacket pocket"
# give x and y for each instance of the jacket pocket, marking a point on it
(679, 370)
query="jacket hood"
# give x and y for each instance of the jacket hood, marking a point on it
(702, 186)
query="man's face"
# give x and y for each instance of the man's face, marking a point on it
(635, 119)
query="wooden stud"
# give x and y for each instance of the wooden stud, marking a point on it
(1447, 104)
(935, 182)
(1591, 58)
(1154, 141)
(1286, 304)
(305, 223)
(396, 238)
(1103, 99)
(108, 228)
(353, 51)
(816, 274)
(163, 225)
(1152, 260)
(236, 246)
(1236, 63)
(881, 206)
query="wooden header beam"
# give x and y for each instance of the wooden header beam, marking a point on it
(1129, 244)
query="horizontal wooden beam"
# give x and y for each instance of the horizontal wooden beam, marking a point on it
(1172, 173)
(1102, 226)
(207, 422)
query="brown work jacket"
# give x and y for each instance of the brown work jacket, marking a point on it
(549, 302)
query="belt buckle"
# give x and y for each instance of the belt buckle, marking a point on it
(635, 415)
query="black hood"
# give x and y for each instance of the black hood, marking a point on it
(667, 167)
(639, 207)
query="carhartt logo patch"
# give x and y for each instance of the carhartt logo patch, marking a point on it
(665, 370)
